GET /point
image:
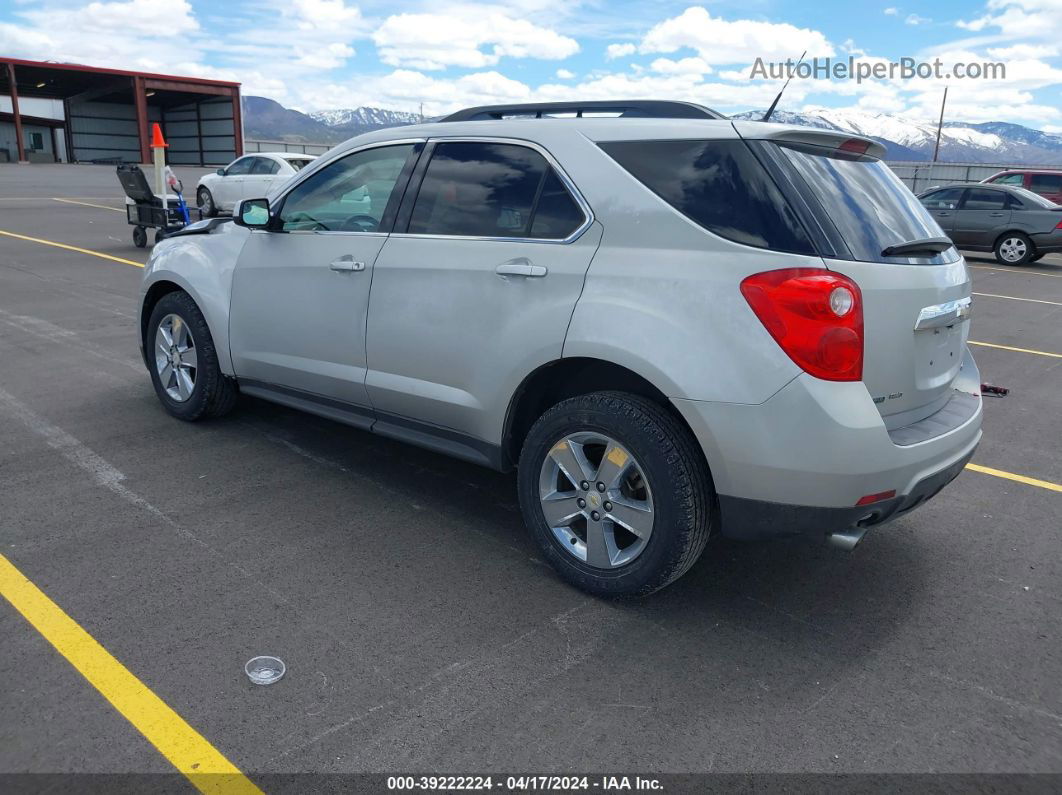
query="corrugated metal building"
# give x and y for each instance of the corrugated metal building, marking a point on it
(68, 113)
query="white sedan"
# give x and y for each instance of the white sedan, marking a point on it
(247, 177)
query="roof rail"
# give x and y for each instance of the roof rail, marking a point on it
(642, 108)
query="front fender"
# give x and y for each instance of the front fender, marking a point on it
(202, 266)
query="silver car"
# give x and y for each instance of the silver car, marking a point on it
(672, 325)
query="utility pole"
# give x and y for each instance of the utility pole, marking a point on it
(940, 124)
(422, 111)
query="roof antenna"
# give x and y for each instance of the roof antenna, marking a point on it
(770, 110)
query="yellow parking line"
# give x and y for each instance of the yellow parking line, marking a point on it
(187, 750)
(1015, 298)
(1016, 270)
(999, 473)
(88, 251)
(1016, 350)
(90, 204)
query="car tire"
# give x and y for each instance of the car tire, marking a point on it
(664, 470)
(206, 203)
(139, 236)
(1014, 248)
(211, 393)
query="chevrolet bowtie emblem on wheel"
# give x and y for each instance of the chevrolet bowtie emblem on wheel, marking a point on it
(595, 501)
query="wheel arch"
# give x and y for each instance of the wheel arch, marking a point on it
(1010, 232)
(568, 377)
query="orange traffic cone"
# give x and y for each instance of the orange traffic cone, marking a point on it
(157, 141)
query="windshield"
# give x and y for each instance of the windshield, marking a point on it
(866, 202)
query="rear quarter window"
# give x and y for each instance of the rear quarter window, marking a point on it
(719, 185)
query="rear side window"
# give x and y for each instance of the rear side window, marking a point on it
(984, 199)
(719, 185)
(480, 189)
(1046, 183)
(863, 199)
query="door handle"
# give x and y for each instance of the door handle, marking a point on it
(942, 214)
(346, 263)
(995, 215)
(521, 266)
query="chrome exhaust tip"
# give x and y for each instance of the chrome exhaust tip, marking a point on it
(846, 539)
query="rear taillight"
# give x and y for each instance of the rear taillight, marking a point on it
(1058, 225)
(816, 316)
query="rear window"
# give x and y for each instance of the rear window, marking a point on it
(298, 165)
(865, 201)
(719, 185)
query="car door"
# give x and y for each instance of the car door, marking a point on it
(475, 292)
(982, 215)
(942, 205)
(229, 188)
(257, 183)
(301, 290)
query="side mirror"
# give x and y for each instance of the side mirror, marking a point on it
(221, 171)
(252, 213)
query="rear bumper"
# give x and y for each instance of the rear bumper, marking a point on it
(1050, 243)
(759, 519)
(799, 463)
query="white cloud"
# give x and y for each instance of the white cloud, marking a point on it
(683, 66)
(915, 19)
(1016, 19)
(891, 11)
(469, 38)
(620, 50)
(1024, 51)
(720, 41)
(565, 74)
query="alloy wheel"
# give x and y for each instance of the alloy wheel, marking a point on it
(596, 500)
(176, 360)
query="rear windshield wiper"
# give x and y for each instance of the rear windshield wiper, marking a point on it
(930, 245)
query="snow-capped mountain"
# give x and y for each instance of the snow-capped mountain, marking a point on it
(268, 120)
(366, 117)
(914, 139)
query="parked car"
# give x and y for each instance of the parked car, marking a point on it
(673, 327)
(247, 177)
(1044, 182)
(1019, 226)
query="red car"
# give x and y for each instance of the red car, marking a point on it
(1047, 183)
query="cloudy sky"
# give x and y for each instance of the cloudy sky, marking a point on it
(321, 54)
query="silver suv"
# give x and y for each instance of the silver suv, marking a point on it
(671, 324)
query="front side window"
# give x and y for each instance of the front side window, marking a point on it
(480, 189)
(719, 185)
(265, 166)
(947, 199)
(240, 167)
(985, 199)
(349, 195)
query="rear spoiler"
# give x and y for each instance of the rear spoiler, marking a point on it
(831, 139)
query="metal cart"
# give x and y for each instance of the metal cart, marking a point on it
(145, 209)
